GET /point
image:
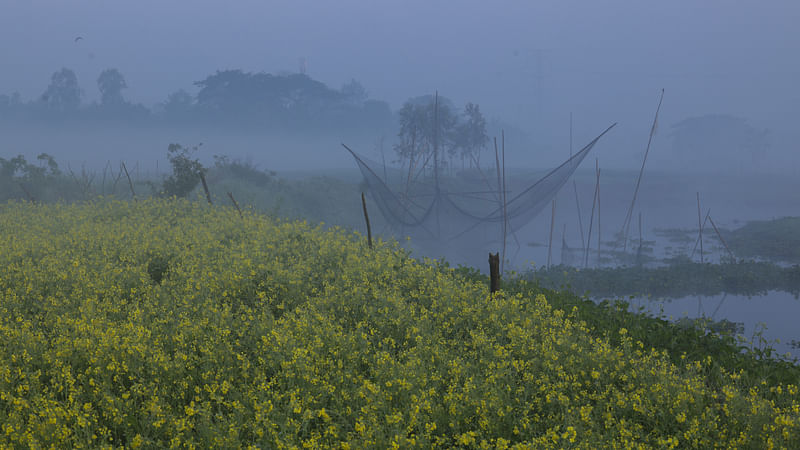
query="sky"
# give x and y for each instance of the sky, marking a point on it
(527, 63)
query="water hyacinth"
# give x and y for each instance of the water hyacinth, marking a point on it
(167, 323)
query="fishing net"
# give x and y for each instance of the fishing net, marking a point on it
(429, 206)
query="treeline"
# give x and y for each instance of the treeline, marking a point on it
(227, 98)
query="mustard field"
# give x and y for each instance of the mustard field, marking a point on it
(170, 323)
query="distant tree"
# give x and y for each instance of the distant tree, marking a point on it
(471, 136)
(354, 92)
(111, 83)
(265, 98)
(423, 127)
(63, 93)
(179, 103)
(17, 174)
(718, 138)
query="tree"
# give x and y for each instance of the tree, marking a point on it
(111, 83)
(717, 139)
(186, 171)
(471, 136)
(63, 93)
(354, 92)
(423, 127)
(179, 103)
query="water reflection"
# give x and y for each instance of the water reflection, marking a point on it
(773, 315)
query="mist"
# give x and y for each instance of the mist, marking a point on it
(527, 65)
(275, 215)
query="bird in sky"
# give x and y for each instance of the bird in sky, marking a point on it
(78, 38)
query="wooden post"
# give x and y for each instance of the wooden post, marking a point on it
(597, 188)
(27, 194)
(700, 227)
(733, 258)
(205, 187)
(366, 218)
(591, 220)
(230, 196)
(550, 242)
(494, 272)
(580, 221)
(130, 183)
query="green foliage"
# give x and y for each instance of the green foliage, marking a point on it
(245, 172)
(681, 278)
(270, 334)
(186, 171)
(21, 179)
(777, 239)
(682, 341)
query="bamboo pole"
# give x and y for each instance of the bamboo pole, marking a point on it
(697, 241)
(230, 196)
(597, 186)
(505, 200)
(366, 218)
(205, 187)
(640, 229)
(550, 244)
(699, 228)
(27, 194)
(580, 221)
(130, 183)
(591, 221)
(627, 223)
(719, 235)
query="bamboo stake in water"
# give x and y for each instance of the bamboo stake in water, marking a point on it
(627, 223)
(733, 258)
(697, 241)
(591, 220)
(597, 186)
(699, 227)
(550, 244)
(580, 221)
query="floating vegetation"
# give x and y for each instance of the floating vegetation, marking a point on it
(680, 278)
(774, 240)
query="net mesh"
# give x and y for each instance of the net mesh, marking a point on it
(443, 209)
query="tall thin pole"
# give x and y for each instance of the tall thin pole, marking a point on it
(436, 158)
(505, 202)
(597, 188)
(580, 221)
(366, 219)
(570, 134)
(550, 244)
(699, 227)
(627, 223)
(589, 237)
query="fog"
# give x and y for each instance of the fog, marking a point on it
(281, 84)
(527, 64)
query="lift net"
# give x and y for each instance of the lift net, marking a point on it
(439, 208)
